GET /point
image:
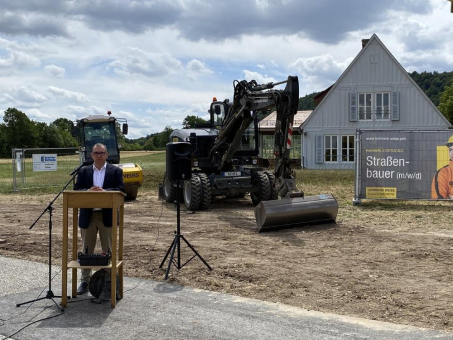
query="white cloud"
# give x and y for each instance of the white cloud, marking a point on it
(197, 67)
(261, 79)
(147, 64)
(172, 57)
(323, 64)
(71, 96)
(37, 115)
(124, 114)
(319, 71)
(19, 60)
(29, 48)
(25, 95)
(55, 71)
(82, 111)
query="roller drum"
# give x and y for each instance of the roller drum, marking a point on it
(292, 211)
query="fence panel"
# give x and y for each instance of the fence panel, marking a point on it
(43, 167)
(403, 164)
(268, 147)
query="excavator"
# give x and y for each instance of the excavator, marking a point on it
(103, 129)
(224, 156)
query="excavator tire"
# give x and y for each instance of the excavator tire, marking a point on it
(169, 190)
(193, 193)
(274, 192)
(260, 181)
(205, 191)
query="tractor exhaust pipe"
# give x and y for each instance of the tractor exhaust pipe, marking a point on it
(287, 212)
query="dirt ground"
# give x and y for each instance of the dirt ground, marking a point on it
(387, 261)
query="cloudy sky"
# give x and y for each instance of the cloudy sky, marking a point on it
(154, 62)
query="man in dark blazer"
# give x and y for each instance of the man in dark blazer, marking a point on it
(101, 176)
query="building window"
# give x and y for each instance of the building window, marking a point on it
(383, 106)
(365, 105)
(347, 148)
(330, 148)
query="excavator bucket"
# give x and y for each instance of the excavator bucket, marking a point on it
(287, 212)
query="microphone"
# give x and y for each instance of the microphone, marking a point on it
(76, 170)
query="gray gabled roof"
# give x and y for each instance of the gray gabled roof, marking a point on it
(374, 37)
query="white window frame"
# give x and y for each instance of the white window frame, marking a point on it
(382, 112)
(350, 150)
(330, 152)
(364, 110)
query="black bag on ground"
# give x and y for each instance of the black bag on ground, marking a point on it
(97, 283)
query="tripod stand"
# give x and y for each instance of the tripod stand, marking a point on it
(50, 295)
(176, 244)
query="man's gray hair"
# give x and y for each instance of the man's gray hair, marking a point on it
(99, 145)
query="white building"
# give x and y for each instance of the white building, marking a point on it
(374, 92)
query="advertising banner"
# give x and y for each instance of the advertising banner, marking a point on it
(44, 162)
(404, 164)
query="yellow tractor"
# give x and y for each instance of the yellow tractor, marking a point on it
(103, 129)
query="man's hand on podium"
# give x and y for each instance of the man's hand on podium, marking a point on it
(95, 188)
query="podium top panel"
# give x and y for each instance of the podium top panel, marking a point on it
(92, 199)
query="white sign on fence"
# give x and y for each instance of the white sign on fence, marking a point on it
(44, 162)
(19, 161)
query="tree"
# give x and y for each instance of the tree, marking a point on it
(21, 132)
(4, 151)
(149, 145)
(68, 140)
(190, 121)
(63, 124)
(52, 137)
(165, 136)
(306, 102)
(432, 83)
(156, 141)
(446, 103)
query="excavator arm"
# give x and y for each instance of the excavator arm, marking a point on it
(249, 99)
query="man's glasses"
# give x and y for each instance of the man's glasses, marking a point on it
(98, 153)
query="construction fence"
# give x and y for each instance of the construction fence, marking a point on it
(267, 151)
(40, 167)
(404, 164)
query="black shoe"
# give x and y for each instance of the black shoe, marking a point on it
(83, 288)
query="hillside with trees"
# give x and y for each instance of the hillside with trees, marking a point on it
(433, 83)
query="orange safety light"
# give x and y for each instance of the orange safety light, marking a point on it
(214, 99)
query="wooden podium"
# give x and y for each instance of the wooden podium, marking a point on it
(92, 199)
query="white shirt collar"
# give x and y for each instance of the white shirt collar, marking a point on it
(103, 167)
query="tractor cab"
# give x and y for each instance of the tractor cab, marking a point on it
(105, 129)
(99, 129)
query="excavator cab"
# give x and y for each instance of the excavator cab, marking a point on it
(218, 111)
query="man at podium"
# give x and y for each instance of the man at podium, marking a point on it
(99, 176)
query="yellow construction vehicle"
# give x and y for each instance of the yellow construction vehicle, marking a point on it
(103, 129)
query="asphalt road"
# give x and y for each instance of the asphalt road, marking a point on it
(156, 310)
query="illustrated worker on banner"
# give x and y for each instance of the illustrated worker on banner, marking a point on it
(442, 186)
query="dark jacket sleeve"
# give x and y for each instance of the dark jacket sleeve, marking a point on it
(84, 179)
(114, 179)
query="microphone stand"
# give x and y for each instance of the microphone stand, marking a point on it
(50, 295)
